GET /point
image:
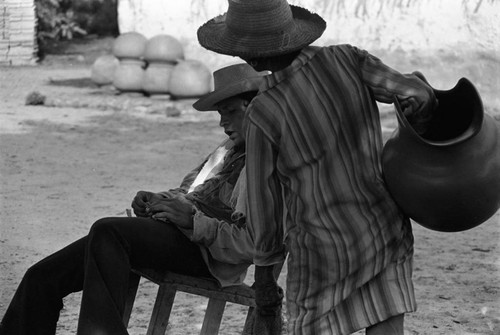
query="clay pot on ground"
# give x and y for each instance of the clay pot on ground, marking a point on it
(162, 53)
(103, 69)
(447, 179)
(190, 79)
(163, 48)
(129, 45)
(129, 48)
(129, 75)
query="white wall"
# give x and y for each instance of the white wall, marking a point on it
(450, 25)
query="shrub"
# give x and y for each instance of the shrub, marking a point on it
(56, 20)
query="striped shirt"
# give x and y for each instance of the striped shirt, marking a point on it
(314, 147)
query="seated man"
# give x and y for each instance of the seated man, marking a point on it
(197, 229)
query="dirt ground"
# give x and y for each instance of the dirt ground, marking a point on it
(65, 166)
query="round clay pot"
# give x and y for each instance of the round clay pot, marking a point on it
(163, 48)
(129, 75)
(129, 45)
(190, 79)
(156, 78)
(103, 70)
(447, 179)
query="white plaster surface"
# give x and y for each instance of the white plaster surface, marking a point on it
(372, 24)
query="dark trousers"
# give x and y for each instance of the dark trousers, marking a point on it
(99, 264)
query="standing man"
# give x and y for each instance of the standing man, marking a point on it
(314, 145)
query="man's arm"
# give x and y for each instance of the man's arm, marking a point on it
(416, 96)
(266, 217)
(265, 212)
(227, 242)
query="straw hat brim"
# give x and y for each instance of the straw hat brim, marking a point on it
(307, 28)
(209, 101)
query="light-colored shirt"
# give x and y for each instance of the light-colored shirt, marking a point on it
(211, 167)
(314, 144)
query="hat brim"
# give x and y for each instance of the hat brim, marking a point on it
(209, 101)
(307, 28)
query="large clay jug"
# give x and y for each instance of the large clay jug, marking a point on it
(447, 179)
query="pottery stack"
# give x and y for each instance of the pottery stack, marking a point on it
(129, 49)
(154, 67)
(162, 53)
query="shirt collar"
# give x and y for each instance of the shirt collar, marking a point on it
(275, 78)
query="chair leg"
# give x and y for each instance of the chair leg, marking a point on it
(249, 321)
(213, 317)
(133, 285)
(161, 310)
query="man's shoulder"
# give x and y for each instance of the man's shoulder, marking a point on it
(338, 49)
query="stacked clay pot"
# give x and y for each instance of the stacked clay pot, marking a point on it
(129, 49)
(190, 79)
(103, 70)
(162, 53)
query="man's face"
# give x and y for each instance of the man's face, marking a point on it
(232, 113)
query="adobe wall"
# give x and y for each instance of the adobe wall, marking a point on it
(451, 25)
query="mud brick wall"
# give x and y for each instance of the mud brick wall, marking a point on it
(17, 32)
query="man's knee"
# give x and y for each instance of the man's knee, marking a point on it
(102, 228)
(36, 274)
(106, 234)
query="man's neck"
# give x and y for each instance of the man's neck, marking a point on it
(281, 62)
(275, 63)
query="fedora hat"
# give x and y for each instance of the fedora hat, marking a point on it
(229, 82)
(260, 28)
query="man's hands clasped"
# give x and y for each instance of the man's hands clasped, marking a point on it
(175, 208)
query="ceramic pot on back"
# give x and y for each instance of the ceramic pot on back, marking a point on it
(447, 179)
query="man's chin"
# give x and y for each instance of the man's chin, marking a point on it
(239, 145)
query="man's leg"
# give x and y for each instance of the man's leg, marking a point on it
(115, 246)
(36, 305)
(391, 326)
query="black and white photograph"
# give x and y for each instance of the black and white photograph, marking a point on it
(254, 167)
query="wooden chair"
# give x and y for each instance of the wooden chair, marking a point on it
(169, 283)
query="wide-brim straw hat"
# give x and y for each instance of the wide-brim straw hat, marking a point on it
(229, 82)
(261, 28)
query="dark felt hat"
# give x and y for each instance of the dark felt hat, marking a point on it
(229, 82)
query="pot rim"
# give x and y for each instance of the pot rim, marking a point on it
(471, 131)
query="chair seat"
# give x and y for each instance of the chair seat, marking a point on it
(207, 287)
(169, 283)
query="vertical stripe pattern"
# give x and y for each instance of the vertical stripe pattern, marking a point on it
(314, 143)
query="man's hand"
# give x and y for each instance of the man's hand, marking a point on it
(176, 209)
(268, 298)
(141, 202)
(419, 110)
